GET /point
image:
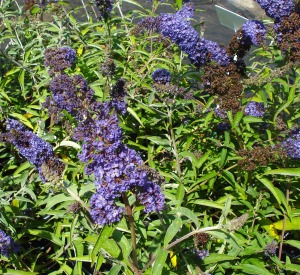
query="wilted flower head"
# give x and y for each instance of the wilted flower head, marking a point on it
(7, 244)
(270, 249)
(239, 222)
(288, 36)
(104, 7)
(277, 9)
(108, 67)
(292, 144)
(254, 109)
(161, 76)
(59, 59)
(254, 32)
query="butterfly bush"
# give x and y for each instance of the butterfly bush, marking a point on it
(116, 167)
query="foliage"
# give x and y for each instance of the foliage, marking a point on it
(230, 182)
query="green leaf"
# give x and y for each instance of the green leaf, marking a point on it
(208, 203)
(111, 247)
(293, 243)
(158, 140)
(285, 172)
(252, 269)
(133, 3)
(269, 185)
(35, 9)
(69, 143)
(292, 267)
(252, 119)
(160, 261)
(215, 258)
(293, 224)
(8, 271)
(104, 235)
(22, 167)
(4, 94)
(134, 114)
(115, 270)
(57, 199)
(46, 235)
(188, 213)
(237, 118)
(23, 119)
(172, 231)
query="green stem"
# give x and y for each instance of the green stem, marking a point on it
(173, 141)
(287, 196)
(129, 215)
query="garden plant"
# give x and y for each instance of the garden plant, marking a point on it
(131, 144)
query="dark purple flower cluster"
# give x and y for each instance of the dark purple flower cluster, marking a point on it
(253, 108)
(117, 95)
(37, 151)
(254, 32)
(201, 51)
(277, 9)
(104, 7)
(161, 76)
(115, 167)
(72, 94)
(201, 253)
(150, 24)
(7, 244)
(292, 144)
(59, 59)
(270, 249)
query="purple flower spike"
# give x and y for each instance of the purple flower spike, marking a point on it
(37, 151)
(7, 244)
(161, 76)
(59, 59)
(292, 144)
(254, 32)
(186, 12)
(104, 7)
(277, 9)
(254, 109)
